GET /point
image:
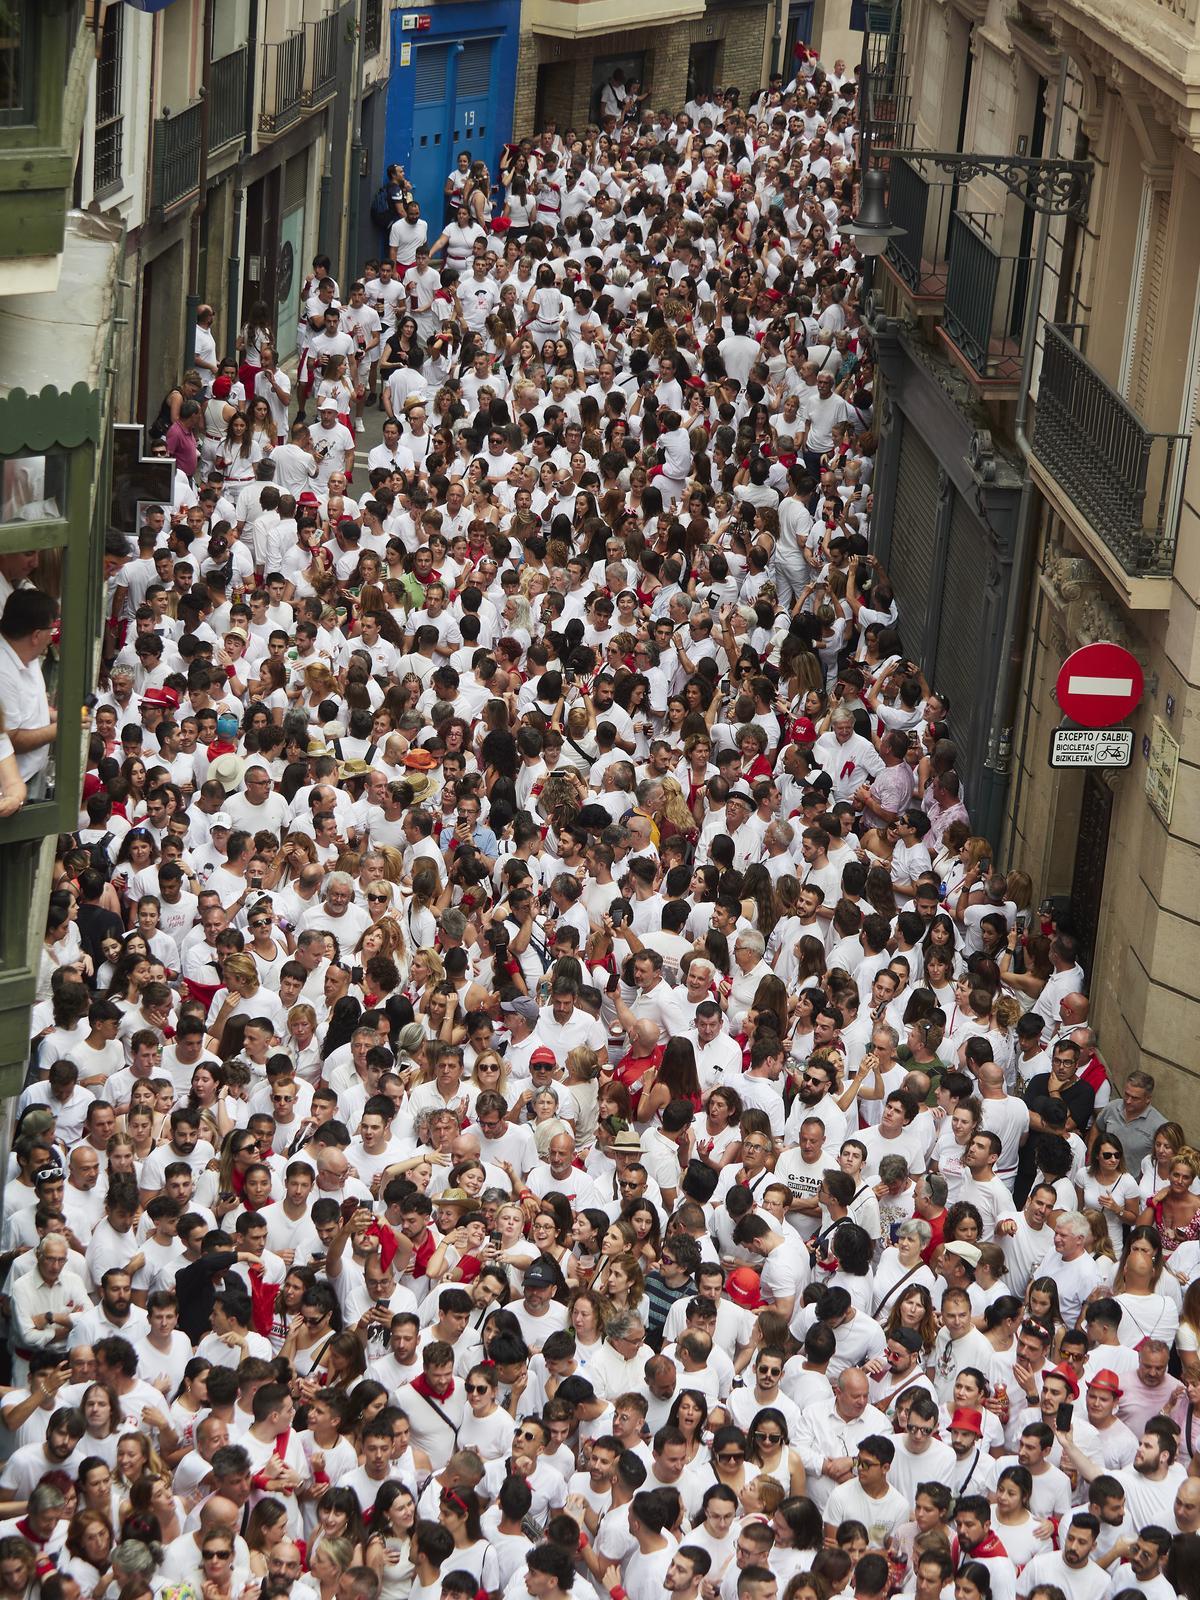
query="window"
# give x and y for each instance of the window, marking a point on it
(106, 162)
(17, 37)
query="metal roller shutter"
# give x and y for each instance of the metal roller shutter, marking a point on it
(958, 658)
(913, 547)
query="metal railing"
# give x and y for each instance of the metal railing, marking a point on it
(372, 27)
(227, 99)
(984, 309)
(887, 66)
(107, 153)
(281, 99)
(176, 170)
(1127, 481)
(922, 206)
(322, 61)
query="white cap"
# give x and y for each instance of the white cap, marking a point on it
(220, 819)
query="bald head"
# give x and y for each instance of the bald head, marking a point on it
(643, 1036)
(219, 1512)
(1073, 1008)
(1187, 1506)
(990, 1078)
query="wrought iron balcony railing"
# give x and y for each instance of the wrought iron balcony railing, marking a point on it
(176, 169)
(922, 206)
(176, 166)
(372, 27)
(227, 99)
(281, 97)
(322, 61)
(984, 312)
(1125, 480)
(887, 65)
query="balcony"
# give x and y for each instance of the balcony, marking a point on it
(918, 259)
(887, 65)
(589, 19)
(983, 313)
(321, 80)
(281, 97)
(1118, 485)
(227, 100)
(372, 27)
(176, 170)
(178, 137)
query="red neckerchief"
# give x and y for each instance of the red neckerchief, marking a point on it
(387, 1242)
(989, 1548)
(262, 1300)
(426, 1390)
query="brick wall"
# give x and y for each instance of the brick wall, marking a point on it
(740, 33)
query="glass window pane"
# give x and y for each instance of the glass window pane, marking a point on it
(33, 488)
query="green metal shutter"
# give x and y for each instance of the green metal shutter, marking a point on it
(913, 548)
(957, 659)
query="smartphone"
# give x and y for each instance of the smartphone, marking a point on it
(1062, 1417)
(494, 1238)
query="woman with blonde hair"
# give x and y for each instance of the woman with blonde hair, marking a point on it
(244, 996)
(582, 1077)
(673, 817)
(975, 853)
(425, 971)
(489, 1075)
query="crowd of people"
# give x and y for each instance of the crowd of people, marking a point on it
(536, 1085)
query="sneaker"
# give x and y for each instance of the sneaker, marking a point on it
(360, 426)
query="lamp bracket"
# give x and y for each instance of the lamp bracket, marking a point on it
(1056, 188)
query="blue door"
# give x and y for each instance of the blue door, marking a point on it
(473, 104)
(432, 154)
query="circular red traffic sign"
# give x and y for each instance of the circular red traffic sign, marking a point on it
(1099, 685)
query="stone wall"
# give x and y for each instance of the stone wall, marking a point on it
(740, 34)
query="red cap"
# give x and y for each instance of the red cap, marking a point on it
(742, 1287)
(1067, 1374)
(308, 498)
(221, 387)
(543, 1056)
(1106, 1378)
(967, 1421)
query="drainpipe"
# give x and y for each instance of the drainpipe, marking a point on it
(233, 275)
(998, 760)
(354, 179)
(197, 218)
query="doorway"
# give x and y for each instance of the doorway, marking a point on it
(1091, 855)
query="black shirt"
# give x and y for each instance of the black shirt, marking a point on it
(1079, 1099)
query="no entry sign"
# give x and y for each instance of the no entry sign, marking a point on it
(1099, 685)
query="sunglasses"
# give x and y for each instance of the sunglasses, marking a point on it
(919, 1429)
(730, 1455)
(767, 1438)
(379, 897)
(217, 1555)
(480, 1388)
(260, 922)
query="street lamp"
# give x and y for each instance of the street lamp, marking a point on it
(871, 229)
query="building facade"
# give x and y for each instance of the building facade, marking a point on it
(675, 48)
(1042, 377)
(232, 139)
(55, 465)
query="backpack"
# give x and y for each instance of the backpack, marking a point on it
(382, 214)
(98, 854)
